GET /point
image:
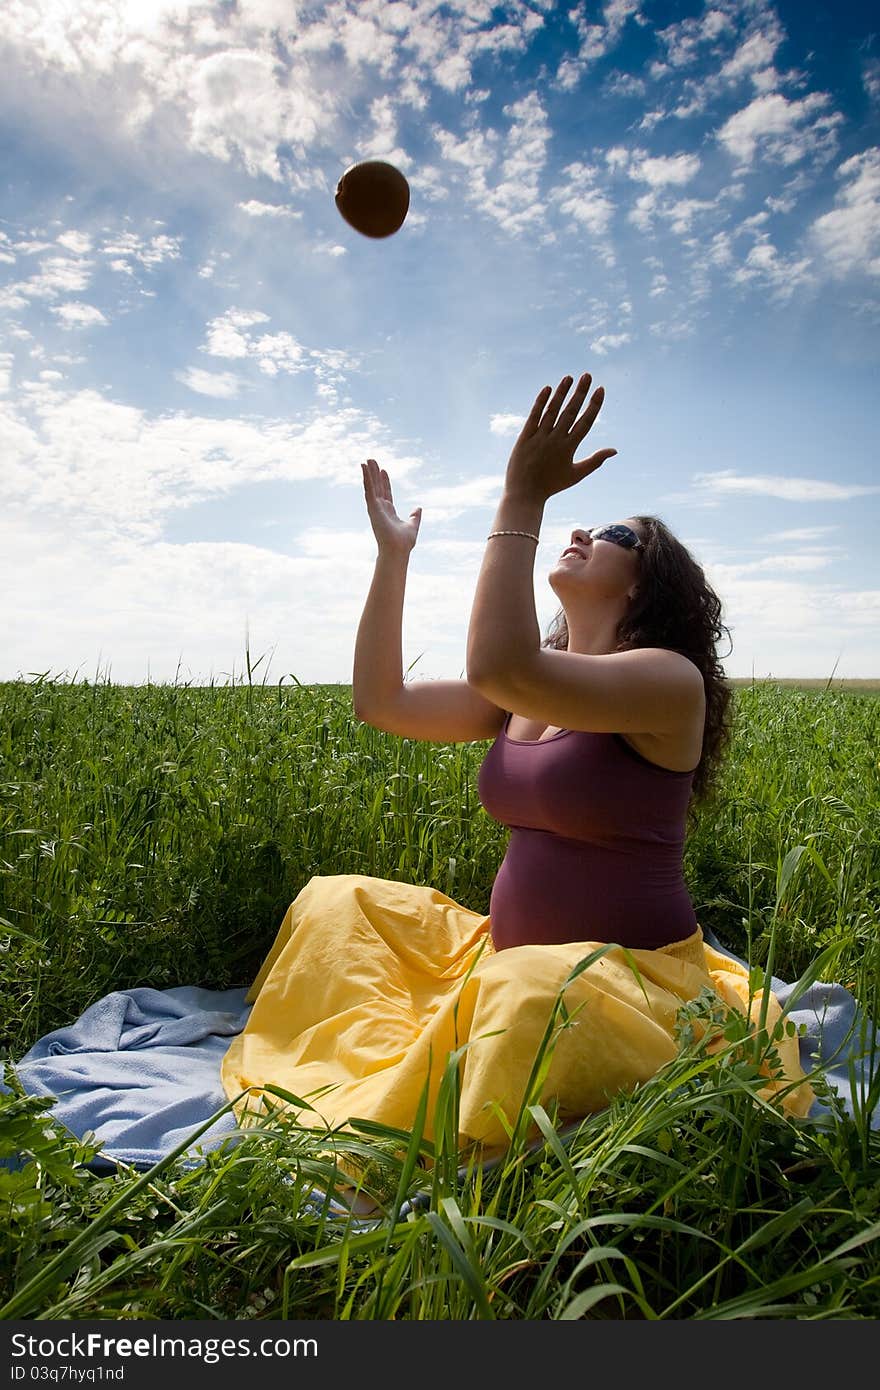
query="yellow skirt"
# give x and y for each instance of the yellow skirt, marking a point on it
(370, 984)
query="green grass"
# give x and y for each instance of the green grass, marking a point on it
(156, 835)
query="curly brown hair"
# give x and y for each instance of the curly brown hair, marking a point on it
(675, 607)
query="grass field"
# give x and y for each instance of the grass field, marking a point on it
(856, 686)
(155, 835)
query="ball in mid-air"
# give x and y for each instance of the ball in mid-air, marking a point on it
(373, 197)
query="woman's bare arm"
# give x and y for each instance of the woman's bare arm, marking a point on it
(446, 711)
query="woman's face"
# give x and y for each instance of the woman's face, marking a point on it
(599, 566)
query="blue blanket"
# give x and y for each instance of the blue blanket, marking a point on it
(140, 1068)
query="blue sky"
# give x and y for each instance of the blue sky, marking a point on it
(196, 351)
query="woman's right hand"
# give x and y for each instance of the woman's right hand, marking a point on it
(391, 531)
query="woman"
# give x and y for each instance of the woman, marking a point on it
(601, 736)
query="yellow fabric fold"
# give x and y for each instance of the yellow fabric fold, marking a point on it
(370, 984)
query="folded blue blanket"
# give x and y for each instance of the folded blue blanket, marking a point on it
(140, 1068)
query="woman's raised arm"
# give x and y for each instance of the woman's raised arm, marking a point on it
(444, 711)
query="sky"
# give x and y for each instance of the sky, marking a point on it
(197, 352)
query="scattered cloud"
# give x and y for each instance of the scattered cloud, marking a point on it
(783, 131)
(445, 501)
(849, 235)
(662, 170)
(506, 424)
(122, 471)
(504, 174)
(596, 40)
(588, 207)
(784, 276)
(793, 563)
(787, 489)
(803, 533)
(148, 251)
(685, 42)
(607, 342)
(223, 385)
(77, 242)
(78, 315)
(254, 208)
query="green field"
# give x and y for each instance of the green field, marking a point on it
(857, 686)
(155, 835)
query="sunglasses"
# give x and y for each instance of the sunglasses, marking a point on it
(619, 535)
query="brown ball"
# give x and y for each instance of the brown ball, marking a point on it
(373, 197)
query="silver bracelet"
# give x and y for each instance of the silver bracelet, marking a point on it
(528, 535)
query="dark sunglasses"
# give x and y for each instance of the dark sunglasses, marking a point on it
(619, 534)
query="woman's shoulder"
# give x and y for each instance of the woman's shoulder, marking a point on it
(677, 665)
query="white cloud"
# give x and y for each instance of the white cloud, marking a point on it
(453, 72)
(797, 564)
(121, 471)
(596, 40)
(510, 194)
(254, 208)
(785, 276)
(140, 607)
(754, 56)
(77, 315)
(585, 203)
(685, 40)
(58, 275)
(278, 352)
(243, 110)
(783, 131)
(149, 251)
(256, 82)
(231, 335)
(849, 235)
(225, 338)
(787, 489)
(661, 170)
(223, 385)
(672, 330)
(77, 242)
(208, 72)
(506, 424)
(608, 342)
(803, 533)
(445, 501)
(625, 84)
(785, 627)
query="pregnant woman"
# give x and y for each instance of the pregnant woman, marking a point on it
(603, 736)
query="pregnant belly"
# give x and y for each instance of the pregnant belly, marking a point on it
(551, 889)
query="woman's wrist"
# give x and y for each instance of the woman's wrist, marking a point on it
(519, 513)
(393, 556)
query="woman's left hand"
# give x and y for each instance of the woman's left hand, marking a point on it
(542, 460)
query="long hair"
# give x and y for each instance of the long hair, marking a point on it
(674, 607)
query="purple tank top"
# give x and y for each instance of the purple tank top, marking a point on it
(596, 842)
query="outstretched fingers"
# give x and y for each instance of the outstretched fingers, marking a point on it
(533, 419)
(582, 427)
(579, 395)
(554, 403)
(377, 484)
